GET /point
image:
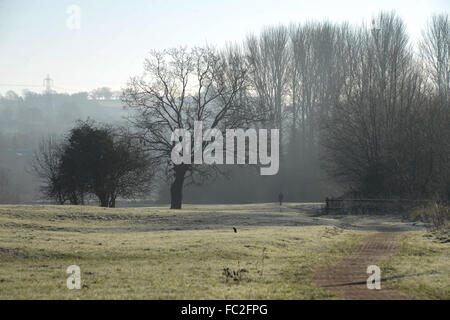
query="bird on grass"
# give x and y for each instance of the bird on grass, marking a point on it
(235, 230)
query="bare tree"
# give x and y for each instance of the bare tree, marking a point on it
(269, 57)
(46, 164)
(181, 86)
(369, 133)
(317, 77)
(435, 52)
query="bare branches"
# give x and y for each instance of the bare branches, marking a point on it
(380, 138)
(435, 52)
(180, 87)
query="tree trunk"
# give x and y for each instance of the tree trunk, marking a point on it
(104, 200)
(112, 201)
(176, 189)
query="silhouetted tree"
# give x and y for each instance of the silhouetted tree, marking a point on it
(182, 86)
(102, 161)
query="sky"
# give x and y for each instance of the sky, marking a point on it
(112, 39)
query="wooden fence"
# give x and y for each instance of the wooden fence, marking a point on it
(370, 206)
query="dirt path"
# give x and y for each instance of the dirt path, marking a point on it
(348, 278)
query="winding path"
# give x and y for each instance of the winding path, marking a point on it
(347, 278)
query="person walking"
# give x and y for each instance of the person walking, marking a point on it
(280, 198)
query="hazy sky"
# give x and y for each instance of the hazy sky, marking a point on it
(115, 36)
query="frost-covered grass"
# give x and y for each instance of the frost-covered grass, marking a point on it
(422, 265)
(157, 253)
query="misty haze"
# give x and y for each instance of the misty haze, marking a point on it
(288, 150)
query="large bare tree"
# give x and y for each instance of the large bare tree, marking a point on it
(181, 86)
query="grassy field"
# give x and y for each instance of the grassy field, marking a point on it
(157, 253)
(422, 266)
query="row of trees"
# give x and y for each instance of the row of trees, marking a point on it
(93, 160)
(387, 133)
(360, 102)
(360, 99)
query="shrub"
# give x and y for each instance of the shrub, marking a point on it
(436, 213)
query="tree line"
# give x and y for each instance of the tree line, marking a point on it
(360, 104)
